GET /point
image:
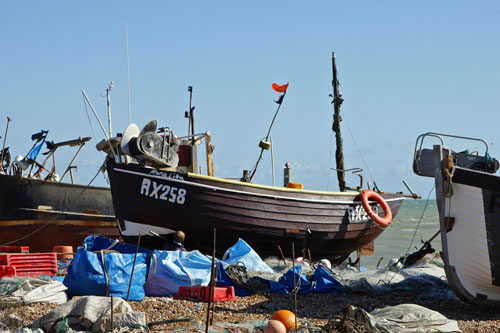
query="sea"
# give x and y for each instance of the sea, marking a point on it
(416, 222)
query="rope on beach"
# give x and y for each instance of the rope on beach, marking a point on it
(346, 323)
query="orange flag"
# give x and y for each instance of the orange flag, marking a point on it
(278, 88)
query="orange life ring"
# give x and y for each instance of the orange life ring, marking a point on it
(369, 194)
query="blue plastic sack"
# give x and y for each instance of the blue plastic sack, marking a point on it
(326, 283)
(171, 269)
(301, 281)
(242, 253)
(104, 273)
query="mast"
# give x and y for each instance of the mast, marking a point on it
(337, 101)
(191, 114)
(109, 108)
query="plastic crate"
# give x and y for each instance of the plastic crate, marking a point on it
(7, 271)
(203, 293)
(17, 249)
(31, 264)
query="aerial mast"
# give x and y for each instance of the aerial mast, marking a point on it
(337, 101)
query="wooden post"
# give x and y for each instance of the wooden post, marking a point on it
(337, 101)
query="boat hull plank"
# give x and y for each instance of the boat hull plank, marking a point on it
(263, 216)
(43, 214)
(471, 250)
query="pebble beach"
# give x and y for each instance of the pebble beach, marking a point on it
(316, 310)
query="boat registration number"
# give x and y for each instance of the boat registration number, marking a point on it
(358, 214)
(155, 190)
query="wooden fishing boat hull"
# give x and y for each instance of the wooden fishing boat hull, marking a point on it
(42, 214)
(470, 232)
(329, 224)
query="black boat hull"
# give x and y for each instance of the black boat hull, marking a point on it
(43, 214)
(329, 224)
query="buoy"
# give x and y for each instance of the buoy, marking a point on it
(64, 253)
(286, 317)
(274, 326)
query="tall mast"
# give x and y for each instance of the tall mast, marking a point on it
(337, 101)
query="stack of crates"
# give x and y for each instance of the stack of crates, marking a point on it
(28, 264)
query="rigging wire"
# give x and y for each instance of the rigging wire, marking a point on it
(95, 141)
(416, 229)
(421, 217)
(359, 150)
(373, 135)
(329, 161)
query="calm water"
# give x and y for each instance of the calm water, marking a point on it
(396, 240)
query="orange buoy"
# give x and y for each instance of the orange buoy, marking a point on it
(286, 317)
(64, 252)
(274, 326)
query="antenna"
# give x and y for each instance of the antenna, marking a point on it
(128, 77)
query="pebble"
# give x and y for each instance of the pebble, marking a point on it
(313, 308)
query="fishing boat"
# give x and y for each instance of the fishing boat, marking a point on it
(157, 188)
(40, 209)
(468, 198)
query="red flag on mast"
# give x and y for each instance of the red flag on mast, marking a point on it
(281, 89)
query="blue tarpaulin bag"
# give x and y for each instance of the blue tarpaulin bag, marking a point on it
(301, 281)
(326, 283)
(95, 271)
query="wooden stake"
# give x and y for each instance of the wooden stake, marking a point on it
(212, 282)
(282, 256)
(294, 286)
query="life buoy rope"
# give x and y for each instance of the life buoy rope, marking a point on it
(366, 195)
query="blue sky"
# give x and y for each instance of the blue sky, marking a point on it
(405, 67)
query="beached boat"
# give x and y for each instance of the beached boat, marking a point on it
(468, 198)
(40, 210)
(156, 188)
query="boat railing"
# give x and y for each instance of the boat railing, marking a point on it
(423, 164)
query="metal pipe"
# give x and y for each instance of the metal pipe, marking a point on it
(133, 266)
(109, 108)
(70, 166)
(99, 121)
(272, 159)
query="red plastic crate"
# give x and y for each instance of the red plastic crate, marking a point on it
(7, 271)
(203, 293)
(18, 249)
(31, 264)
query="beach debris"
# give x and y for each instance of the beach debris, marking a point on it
(91, 313)
(32, 290)
(287, 318)
(274, 326)
(403, 317)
